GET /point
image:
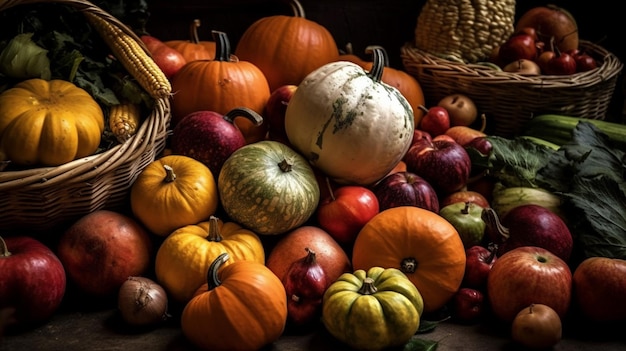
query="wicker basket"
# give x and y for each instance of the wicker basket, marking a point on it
(508, 100)
(41, 199)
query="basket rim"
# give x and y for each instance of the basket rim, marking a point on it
(155, 125)
(415, 58)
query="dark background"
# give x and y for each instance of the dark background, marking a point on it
(389, 23)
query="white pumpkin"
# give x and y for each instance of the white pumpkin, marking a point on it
(348, 123)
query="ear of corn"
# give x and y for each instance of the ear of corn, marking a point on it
(132, 56)
(124, 120)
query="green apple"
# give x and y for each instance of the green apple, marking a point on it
(466, 219)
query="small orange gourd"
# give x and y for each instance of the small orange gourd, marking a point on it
(287, 48)
(420, 243)
(194, 48)
(243, 306)
(221, 85)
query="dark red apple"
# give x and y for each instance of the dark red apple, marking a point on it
(406, 189)
(530, 225)
(32, 280)
(527, 275)
(274, 112)
(561, 64)
(445, 165)
(345, 211)
(102, 249)
(517, 47)
(599, 285)
(210, 137)
(420, 136)
(435, 121)
(468, 305)
(168, 59)
(585, 62)
(478, 263)
(481, 144)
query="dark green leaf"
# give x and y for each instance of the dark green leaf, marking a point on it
(418, 344)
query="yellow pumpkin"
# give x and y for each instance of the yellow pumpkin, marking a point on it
(420, 243)
(48, 123)
(172, 192)
(184, 257)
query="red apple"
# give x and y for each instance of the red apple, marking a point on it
(274, 112)
(436, 120)
(526, 275)
(599, 285)
(345, 211)
(169, 60)
(102, 249)
(406, 189)
(32, 280)
(478, 263)
(210, 137)
(420, 136)
(481, 144)
(585, 62)
(464, 196)
(468, 305)
(530, 225)
(461, 109)
(517, 47)
(443, 164)
(561, 64)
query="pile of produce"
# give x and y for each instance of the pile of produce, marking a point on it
(334, 198)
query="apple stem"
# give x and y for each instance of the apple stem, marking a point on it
(465, 209)
(368, 287)
(530, 308)
(4, 250)
(493, 223)
(330, 189)
(483, 121)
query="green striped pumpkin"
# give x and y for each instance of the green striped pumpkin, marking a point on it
(348, 123)
(268, 187)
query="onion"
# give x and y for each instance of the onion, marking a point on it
(142, 302)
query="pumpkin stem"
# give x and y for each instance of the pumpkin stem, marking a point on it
(214, 231)
(222, 46)
(408, 265)
(379, 62)
(251, 115)
(368, 287)
(285, 166)
(4, 250)
(296, 6)
(213, 279)
(494, 226)
(170, 176)
(193, 31)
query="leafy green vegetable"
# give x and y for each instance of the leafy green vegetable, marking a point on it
(22, 58)
(418, 344)
(513, 162)
(589, 173)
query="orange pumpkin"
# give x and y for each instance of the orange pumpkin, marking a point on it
(221, 85)
(287, 48)
(399, 79)
(243, 306)
(422, 244)
(193, 49)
